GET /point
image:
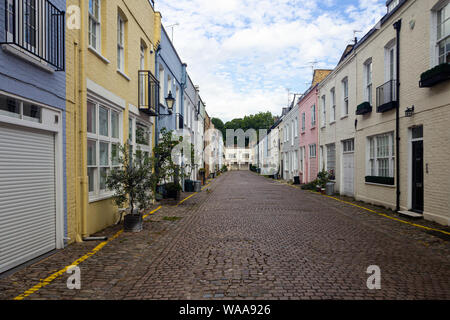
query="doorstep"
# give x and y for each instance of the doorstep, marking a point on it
(411, 214)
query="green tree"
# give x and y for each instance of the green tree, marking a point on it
(219, 125)
(132, 182)
(261, 120)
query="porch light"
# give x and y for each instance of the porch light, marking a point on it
(409, 112)
(170, 100)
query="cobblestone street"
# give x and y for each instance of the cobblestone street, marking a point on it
(248, 237)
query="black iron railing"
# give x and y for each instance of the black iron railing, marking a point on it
(387, 96)
(179, 121)
(37, 27)
(148, 92)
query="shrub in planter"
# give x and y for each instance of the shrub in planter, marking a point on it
(435, 75)
(132, 184)
(173, 190)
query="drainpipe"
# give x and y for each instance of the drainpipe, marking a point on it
(84, 190)
(397, 27)
(157, 95)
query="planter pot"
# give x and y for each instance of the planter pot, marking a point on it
(322, 190)
(363, 108)
(133, 223)
(435, 75)
(173, 194)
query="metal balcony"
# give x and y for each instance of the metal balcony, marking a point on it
(387, 96)
(37, 27)
(148, 92)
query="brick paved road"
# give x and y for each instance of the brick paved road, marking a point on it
(252, 238)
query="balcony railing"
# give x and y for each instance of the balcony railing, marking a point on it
(387, 96)
(38, 28)
(148, 92)
(179, 121)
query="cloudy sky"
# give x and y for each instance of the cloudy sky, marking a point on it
(245, 54)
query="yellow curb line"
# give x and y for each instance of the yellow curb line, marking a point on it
(55, 275)
(385, 215)
(49, 279)
(186, 199)
(144, 217)
(378, 213)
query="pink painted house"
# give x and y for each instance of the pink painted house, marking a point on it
(308, 108)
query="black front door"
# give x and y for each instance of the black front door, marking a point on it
(417, 176)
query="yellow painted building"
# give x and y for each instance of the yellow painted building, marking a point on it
(116, 40)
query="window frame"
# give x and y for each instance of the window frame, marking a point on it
(312, 151)
(324, 111)
(345, 104)
(120, 43)
(313, 116)
(303, 122)
(98, 193)
(373, 158)
(368, 81)
(445, 36)
(333, 105)
(97, 22)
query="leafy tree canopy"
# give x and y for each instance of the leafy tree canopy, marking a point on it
(261, 120)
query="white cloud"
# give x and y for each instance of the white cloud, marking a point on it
(244, 53)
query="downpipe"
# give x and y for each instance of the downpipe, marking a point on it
(398, 27)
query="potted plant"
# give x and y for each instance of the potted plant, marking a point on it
(168, 174)
(323, 178)
(173, 190)
(132, 184)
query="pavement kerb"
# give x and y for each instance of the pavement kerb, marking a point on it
(372, 211)
(59, 273)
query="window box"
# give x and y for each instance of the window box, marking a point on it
(435, 75)
(380, 180)
(363, 108)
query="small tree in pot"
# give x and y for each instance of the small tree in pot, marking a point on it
(132, 184)
(166, 171)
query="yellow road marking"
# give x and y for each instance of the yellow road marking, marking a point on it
(389, 217)
(153, 212)
(378, 213)
(49, 279)
(186, 199)
(59, 273)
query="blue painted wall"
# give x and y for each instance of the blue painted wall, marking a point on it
(26, 80)
(168, 58)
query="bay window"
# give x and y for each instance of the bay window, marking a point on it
(103, 134)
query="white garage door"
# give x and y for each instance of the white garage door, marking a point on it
(27, 195)
(348, 174)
